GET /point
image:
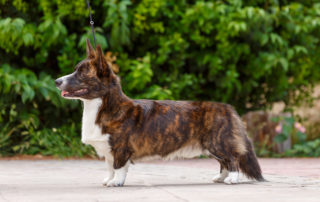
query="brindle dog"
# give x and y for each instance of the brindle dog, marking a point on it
(123, 130)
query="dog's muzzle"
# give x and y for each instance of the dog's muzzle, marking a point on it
(58, 82)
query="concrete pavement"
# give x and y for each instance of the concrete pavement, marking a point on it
(181, 180)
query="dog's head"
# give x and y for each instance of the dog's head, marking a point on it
(92, 77)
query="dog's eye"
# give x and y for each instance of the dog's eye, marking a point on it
(81, 67)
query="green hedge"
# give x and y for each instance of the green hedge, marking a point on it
(246, 53)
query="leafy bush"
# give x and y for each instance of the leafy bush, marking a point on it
(309, 148)
(247, 53)
(290, 139)
(30, 107)
(61, 142)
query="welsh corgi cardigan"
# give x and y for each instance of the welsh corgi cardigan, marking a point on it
(124, 130)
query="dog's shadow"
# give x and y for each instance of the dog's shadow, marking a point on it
(189, 185)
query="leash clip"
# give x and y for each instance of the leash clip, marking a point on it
(92, 23)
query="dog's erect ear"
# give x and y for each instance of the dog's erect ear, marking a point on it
(104, 69)
(90, 50)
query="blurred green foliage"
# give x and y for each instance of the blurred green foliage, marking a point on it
(298, 145)
(309, 148)
(247, 53)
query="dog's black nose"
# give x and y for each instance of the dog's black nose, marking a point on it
(58, 82)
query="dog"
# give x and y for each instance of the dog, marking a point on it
(124, 130)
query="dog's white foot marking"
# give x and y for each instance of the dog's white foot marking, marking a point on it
(233, 178)
(110, 170)
(108, 178)
(119, 177)
(221, 176)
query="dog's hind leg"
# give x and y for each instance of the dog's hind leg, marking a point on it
(233, 169)
(222, 175)
(225, 151)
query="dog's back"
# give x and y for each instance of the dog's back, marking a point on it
(182, 129)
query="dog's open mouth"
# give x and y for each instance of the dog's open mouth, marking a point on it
(76, 93)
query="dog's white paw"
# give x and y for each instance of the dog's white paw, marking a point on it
(220, 177)
(119, 177)
(106, 180)
(115, 183)
(233, 178)
(108, 177)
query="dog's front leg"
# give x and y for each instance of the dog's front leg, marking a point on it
(120, 165)
(120, 175)
(110, 170)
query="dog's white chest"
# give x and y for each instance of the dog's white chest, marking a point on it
(91, 132)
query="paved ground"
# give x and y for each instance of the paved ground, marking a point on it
(187, 180)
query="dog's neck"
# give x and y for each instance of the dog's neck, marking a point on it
(114, 100)
(109, 107)
(112, 105)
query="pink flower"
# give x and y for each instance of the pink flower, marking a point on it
(299, 127)
(278, 128)
(302, 129)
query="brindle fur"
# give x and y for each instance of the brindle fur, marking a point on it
(141, 128)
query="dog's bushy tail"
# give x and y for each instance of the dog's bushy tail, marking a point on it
(249, 164)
